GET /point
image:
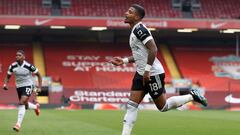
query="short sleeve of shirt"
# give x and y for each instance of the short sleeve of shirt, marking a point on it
(33, 69)
(142, 33)
(10, 70)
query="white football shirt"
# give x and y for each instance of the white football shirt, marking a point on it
(140, 35)
(23, 73)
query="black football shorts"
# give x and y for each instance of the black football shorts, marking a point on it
(24, 91)
(155, 87)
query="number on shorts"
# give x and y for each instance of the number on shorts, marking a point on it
(153, 86)
(28, 91)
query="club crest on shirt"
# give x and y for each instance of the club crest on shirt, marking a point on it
(33, 68)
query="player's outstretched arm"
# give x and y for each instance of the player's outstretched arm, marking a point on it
(131, 59)
(6, 80)
(117, 61)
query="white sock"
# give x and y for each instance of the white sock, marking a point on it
(130, 117)
(176, 101)
(31, 105)
(127, 129)
(21, 113)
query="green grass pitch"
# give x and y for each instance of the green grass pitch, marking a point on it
(90, 122)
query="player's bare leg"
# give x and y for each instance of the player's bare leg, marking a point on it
(132, 107)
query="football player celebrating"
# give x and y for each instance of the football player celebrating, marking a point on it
(150, 74)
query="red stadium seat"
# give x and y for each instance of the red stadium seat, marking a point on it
(224, 9)
(93, 79)
(23, 7)
(117, 8)
(201, 70)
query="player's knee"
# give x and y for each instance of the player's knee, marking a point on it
(132, 105)
(26, 106)
(159, 107)
(23, 102)
(163, 108)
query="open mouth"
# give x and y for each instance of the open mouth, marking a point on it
(126, 18)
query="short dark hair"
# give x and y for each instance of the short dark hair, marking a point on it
(21, 51)
(139, 9)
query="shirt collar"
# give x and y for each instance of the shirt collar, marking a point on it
(22, 64)
(136, 25)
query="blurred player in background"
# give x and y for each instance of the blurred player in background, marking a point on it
(150, 74)
(24, 84)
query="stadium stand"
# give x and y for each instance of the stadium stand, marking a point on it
(107, 8)
(23, 7)
(56, 55)
(225, 9)
(194, 62)
(155, 8)
(116, 8)
(60, 59)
